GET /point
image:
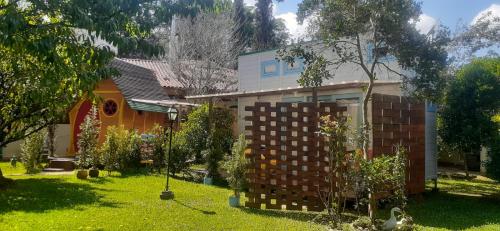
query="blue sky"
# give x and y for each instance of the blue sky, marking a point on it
(446, 12)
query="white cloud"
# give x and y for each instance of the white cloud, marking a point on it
(250, 2)
(495, 12)
(296, 30)
(425, 23)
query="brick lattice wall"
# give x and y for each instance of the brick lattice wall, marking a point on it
(288, 160)
(399, 120)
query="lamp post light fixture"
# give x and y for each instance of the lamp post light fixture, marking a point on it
(172, 117)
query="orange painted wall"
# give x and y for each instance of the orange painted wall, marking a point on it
(126, 116)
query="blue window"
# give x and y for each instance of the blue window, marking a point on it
(269, 68)
(297, 67)
(369, 54)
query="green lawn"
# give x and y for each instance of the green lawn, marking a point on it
(42, 202)
(459, 205)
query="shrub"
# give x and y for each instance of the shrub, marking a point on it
(181, 156)
(236, 164)
(31, 151)
(213, 139)
(158, 143)
(88, 151)
(493, 164)
(111, 148)
(131, 158)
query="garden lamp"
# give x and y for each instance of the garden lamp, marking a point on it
(172, 117)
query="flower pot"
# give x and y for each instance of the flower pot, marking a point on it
(208, 180)
(234, 201)
(82, 174)
(94, 173)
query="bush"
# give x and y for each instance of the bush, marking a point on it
(181, 156)
(236, 164)
(131, 158)
(493, 165)
(121, 149)
(209, 142)
(88, 151)
(31, 151)
(111, 148)
(157, 142)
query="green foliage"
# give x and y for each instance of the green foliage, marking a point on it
(236, 164)
(470, 104)
(122, 149)
(131, 159)
(181, 156)
(335, 131)
(387, 174)
(47, 64)
(88, 152)
(113, 147)
(209, 140)
(493, 164)
(31, 151)
(159, 146)
(316, 64)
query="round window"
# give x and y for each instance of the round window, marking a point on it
(110, 107)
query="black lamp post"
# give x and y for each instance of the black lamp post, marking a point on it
(172, 116)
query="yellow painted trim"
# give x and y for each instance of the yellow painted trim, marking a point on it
(73, 113)
(106, 92)
(144, 122)
(121, 109)
(133, 120)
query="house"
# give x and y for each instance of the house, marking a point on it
(276, 116)
(138, 98)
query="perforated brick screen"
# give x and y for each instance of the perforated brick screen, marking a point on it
(288, 165)
(399, 120)
(289, 160)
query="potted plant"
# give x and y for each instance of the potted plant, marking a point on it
(87, 145)
(235, 166)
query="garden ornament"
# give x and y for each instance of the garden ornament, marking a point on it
(392, 223)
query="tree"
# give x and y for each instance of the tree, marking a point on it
(348, 28)
(53, 53)
(240, 32)
(482, 35)
(264, 22)
(470, 103)
(205, 52)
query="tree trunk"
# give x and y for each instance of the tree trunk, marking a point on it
(466, 166)
(366, 124)
(366, 142)
(4, 182)
(315, 96)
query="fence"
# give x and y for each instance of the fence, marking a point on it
(289, 160)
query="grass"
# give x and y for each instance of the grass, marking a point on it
(459, 205)
(43, 202)
(7, 169)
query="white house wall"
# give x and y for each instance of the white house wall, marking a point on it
(251, 77)
(61, 143)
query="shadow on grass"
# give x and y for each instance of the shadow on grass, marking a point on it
(294, 215)
(40, 195)
(459, 207)
(206, 212)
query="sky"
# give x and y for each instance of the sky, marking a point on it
(445, 12)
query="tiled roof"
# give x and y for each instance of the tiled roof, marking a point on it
(162, 70)
(137, 82)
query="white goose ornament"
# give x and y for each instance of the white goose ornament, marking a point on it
(392, 223)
